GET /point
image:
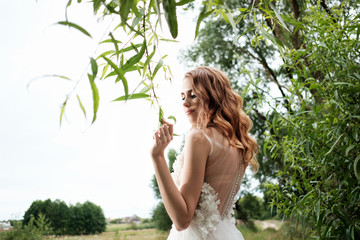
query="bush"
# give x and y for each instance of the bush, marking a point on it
(78, 219)
(160, 218)
(319, 184)
(251, 205)
(34, 230)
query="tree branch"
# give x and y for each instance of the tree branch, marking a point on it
(327, 9)
(296, 39)
(270, 73)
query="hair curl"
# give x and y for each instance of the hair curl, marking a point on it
(222, 108)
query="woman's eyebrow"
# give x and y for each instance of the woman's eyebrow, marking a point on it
(182, 93)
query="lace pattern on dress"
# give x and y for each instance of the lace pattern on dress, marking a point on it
(207, 216)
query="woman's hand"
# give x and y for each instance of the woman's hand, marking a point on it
(162, 137)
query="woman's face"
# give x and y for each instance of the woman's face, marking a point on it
(190, 100)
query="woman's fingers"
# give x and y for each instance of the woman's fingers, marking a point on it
(156, 136)
(163, 135)
(167, 132)
(171, 127)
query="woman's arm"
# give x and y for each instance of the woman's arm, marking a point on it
(181, 204)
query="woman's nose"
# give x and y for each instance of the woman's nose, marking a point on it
(186, 102)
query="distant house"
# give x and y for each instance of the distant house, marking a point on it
(5, 226)
(133, 219)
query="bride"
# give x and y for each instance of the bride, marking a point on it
(199, 195)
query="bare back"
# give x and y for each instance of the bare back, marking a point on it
(224, 170)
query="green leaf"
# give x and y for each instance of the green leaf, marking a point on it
(111, 7)
(120, 75)
(279, 16)
(318, 209)
(81, 105)
(130, 48)
(114, 41)
(132, 96)
(148, 59)
(157, 67)
(95, 94)
(294, 22)
(94, 67)
(183, 2)
(70, 24)
(170, 16)
(136, 58)
(62, 111)
(50, 75)
(135, 21)
(168, 40)
(161, 114)
(110, 41)
(96, 5)
(348, 149)
(244, 10)
(125, 6)
(344, 83)
(357, 168)
(104, 70)
(105, 53)
(333, 146)
(134, 47)
(272, 38)
(231, 20)
(156, 7)
(203, 14)
(172, 118)
(135, 10)
(146, 89)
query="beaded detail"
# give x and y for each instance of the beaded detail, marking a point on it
(229, 210)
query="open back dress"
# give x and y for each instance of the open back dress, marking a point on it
(213, 218)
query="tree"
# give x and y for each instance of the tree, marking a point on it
(94, 218)
(312, 122)
(160, 217)
(86, 218)
(251, 205)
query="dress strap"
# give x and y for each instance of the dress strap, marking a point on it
(211, 143)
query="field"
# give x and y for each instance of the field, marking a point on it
(266, 230)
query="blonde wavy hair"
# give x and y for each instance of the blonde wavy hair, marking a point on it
(222, 108)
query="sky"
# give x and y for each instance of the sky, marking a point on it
(107, 163)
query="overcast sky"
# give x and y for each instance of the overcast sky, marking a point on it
(107, 163)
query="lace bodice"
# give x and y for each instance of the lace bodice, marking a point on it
(214, 206)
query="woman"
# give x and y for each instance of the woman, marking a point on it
(200, 194)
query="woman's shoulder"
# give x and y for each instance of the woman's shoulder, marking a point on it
(197, 136)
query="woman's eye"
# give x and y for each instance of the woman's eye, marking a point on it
(183, 98)
(193, 96)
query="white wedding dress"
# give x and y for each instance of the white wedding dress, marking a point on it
(213, 218)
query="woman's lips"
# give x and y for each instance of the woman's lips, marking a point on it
(188, 112)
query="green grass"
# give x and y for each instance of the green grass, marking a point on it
(128, 226)
(145, 231)
(271, 234)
